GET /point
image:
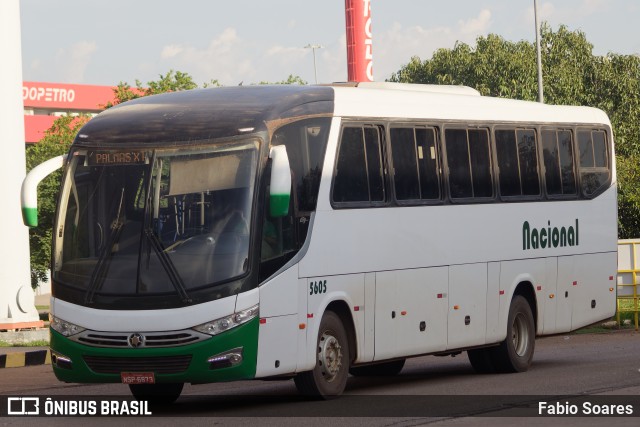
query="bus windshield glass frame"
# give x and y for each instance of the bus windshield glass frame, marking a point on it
(155, 222)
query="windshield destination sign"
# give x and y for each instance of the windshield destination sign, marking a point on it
(104, 158)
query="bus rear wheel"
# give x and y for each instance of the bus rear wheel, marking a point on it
(515, 353)
(329, 377)
(157, 394)
(385, 369)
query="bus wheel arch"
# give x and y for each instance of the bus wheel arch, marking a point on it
(333, 352)
(526, 290)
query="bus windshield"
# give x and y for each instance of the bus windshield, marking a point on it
(155, 222)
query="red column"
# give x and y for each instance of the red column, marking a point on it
(359, 44)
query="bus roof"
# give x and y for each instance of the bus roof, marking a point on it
(188, 116)
(455, 103)
(201, 114)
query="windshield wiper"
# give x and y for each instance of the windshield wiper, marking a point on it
(152, 240)
(99, 272)
(168, 265)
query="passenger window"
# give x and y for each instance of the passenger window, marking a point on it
(517, 162)
(594, 161)
(557, 154)
(359, 176)
(469, 163)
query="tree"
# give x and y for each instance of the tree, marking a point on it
(572, 76)
(173, 81)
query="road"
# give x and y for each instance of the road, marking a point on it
(444, 391)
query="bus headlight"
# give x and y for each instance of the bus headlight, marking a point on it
(228, 322)
(63, 327)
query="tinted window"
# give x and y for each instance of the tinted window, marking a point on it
(518, 162)
(557, 154)
(507, 155)
(405, 164)
(374, 164)
(359, 176)
(428, 163)
(458, 163)
(469, 163)
(594, 164)
(415, 163)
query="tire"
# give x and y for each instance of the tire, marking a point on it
(157, 394)
(385, 369)
(482, 360)
(329, 377)
(516, 352)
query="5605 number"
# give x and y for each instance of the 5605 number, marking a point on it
(317, 287)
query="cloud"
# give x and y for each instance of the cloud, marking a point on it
(395, 47)
(73, 61)
(478, 25)
(170, 51)
(221, 59)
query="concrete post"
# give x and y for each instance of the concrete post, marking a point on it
(17, 307)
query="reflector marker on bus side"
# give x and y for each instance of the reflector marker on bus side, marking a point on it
(302, 326)
(356, 308)
(263, 321)
(575, 283)
(551, 296)
(539, 288)
(442, 295)
(501, 292)
(611, 278)
(403, 312)
(309, 315)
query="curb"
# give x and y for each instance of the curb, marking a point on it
(27, 358)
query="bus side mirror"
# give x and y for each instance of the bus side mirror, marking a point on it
(280, 186)
(29, 191)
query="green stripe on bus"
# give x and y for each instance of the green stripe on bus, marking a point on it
(30, 216)
(279, 205)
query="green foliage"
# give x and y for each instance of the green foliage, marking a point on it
(291, 80)
(56, 141)
(573, 75)
(173, 81)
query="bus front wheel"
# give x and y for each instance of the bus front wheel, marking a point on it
(329, 377)
(516, 352)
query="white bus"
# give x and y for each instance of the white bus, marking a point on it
(310, 232)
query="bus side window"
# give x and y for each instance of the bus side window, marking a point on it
(517, 162)
(415, 163)
(557, 154)
(594, 161)
(359, 176)
(469, 163)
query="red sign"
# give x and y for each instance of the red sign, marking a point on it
(66, 96)
(36, 126)
(359, 43)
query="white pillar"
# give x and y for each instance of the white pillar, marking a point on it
(16, 296)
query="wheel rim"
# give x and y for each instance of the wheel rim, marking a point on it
(520, 335)
(329, 356)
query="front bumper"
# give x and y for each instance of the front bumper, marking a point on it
(185, 364)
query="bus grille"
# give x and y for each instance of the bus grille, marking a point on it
(151, 339)
(158, 365)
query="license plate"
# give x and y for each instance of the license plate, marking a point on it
(137, 377)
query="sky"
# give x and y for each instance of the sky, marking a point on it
(249, 41)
